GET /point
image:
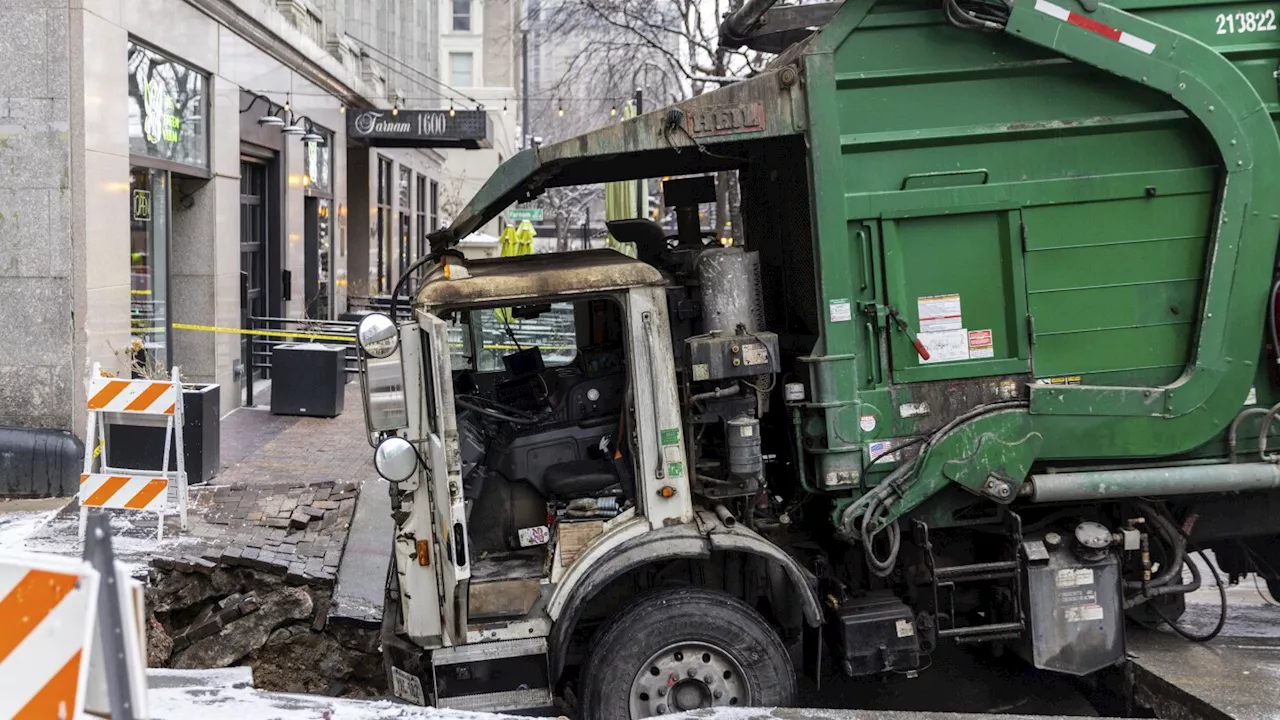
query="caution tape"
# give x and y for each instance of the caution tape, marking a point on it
(267, 333)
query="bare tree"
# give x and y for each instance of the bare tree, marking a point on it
(608, 48)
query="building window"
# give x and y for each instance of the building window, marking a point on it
(382, 267)
(462, 15)
(406, 214)
(460, 69)
(168, 109)
(421, 216)
(435, 206)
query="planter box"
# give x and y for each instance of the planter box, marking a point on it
(308, 379)
(137, 442)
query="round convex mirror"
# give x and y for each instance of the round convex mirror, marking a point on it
(396, 460)
(377, 335)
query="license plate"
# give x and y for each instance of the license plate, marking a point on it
(406, 686)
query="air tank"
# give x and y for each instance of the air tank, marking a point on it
(730, 280)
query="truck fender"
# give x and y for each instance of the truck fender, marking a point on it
(695, 540)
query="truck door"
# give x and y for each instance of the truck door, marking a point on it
(444, 468)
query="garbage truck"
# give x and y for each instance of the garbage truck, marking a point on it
(995, 355)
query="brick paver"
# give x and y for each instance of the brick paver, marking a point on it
(282, 504)
(298, 450)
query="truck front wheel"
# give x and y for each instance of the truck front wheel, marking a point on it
(685, 648)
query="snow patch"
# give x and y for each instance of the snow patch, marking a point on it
(247, 704)
(17, 527)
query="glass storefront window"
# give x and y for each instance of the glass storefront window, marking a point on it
(324, 294)
(148, 350)
(319, 163)
(168, 109)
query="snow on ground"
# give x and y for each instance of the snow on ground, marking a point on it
(249, 704)
(53, 527)
(243, 703)
(17, 526)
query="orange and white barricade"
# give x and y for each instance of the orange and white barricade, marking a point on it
(122, 488)
(48, 606)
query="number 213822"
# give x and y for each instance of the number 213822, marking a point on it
(1246, 22)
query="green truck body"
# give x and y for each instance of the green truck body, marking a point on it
(1016, 305)
(1102, 220)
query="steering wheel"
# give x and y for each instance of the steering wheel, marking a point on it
(496, 410)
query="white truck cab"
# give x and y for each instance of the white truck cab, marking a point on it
(529, 420)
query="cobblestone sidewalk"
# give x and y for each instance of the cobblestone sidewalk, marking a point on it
(282, 502)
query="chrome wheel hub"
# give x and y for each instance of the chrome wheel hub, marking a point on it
(687, 676)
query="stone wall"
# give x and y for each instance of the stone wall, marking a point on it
(36, 258)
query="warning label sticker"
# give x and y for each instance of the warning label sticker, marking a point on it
(1082, 613)
(754, 354)
(980, 345)
(1074, 577)
(841, 310)
(939, 312)
(945, 346)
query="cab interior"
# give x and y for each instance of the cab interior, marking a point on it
(539, 393)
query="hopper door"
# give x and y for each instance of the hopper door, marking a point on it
(958, 282)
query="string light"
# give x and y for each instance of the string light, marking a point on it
(560, 110)
(342, 108)
(613, 111)
(504, 106)
(395, 111)
(452, 112)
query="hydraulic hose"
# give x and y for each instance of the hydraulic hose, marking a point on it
(1177, 549)
(1180, 589)
(1222, 611)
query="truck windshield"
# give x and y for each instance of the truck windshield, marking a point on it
(496, 332)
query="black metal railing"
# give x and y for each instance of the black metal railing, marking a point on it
(268, 332)
(363, 304)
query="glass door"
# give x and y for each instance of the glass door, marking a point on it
(149, 346)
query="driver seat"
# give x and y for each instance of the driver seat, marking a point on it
(579, 478)
(593, 477)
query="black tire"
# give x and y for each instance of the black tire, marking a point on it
(690, 616)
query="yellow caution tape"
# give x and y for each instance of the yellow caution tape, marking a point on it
(267, 333)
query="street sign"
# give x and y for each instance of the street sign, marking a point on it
(530, 214)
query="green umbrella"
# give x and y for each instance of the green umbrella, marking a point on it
(620, 199)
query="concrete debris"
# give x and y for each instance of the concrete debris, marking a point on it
(236, 640)
(159, 644)
(241, 615)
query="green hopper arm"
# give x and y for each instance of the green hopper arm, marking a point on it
(699, 135)
(1066, 421)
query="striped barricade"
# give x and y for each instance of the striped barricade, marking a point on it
(123, 492)
(47, 610)
(149, 397)
(112, 488)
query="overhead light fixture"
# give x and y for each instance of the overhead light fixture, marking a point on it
(294, 129)
(313, 137)
(271, 121)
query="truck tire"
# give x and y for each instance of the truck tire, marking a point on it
(684, 648)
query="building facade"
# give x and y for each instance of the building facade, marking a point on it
(480, 62)
(176, 170)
